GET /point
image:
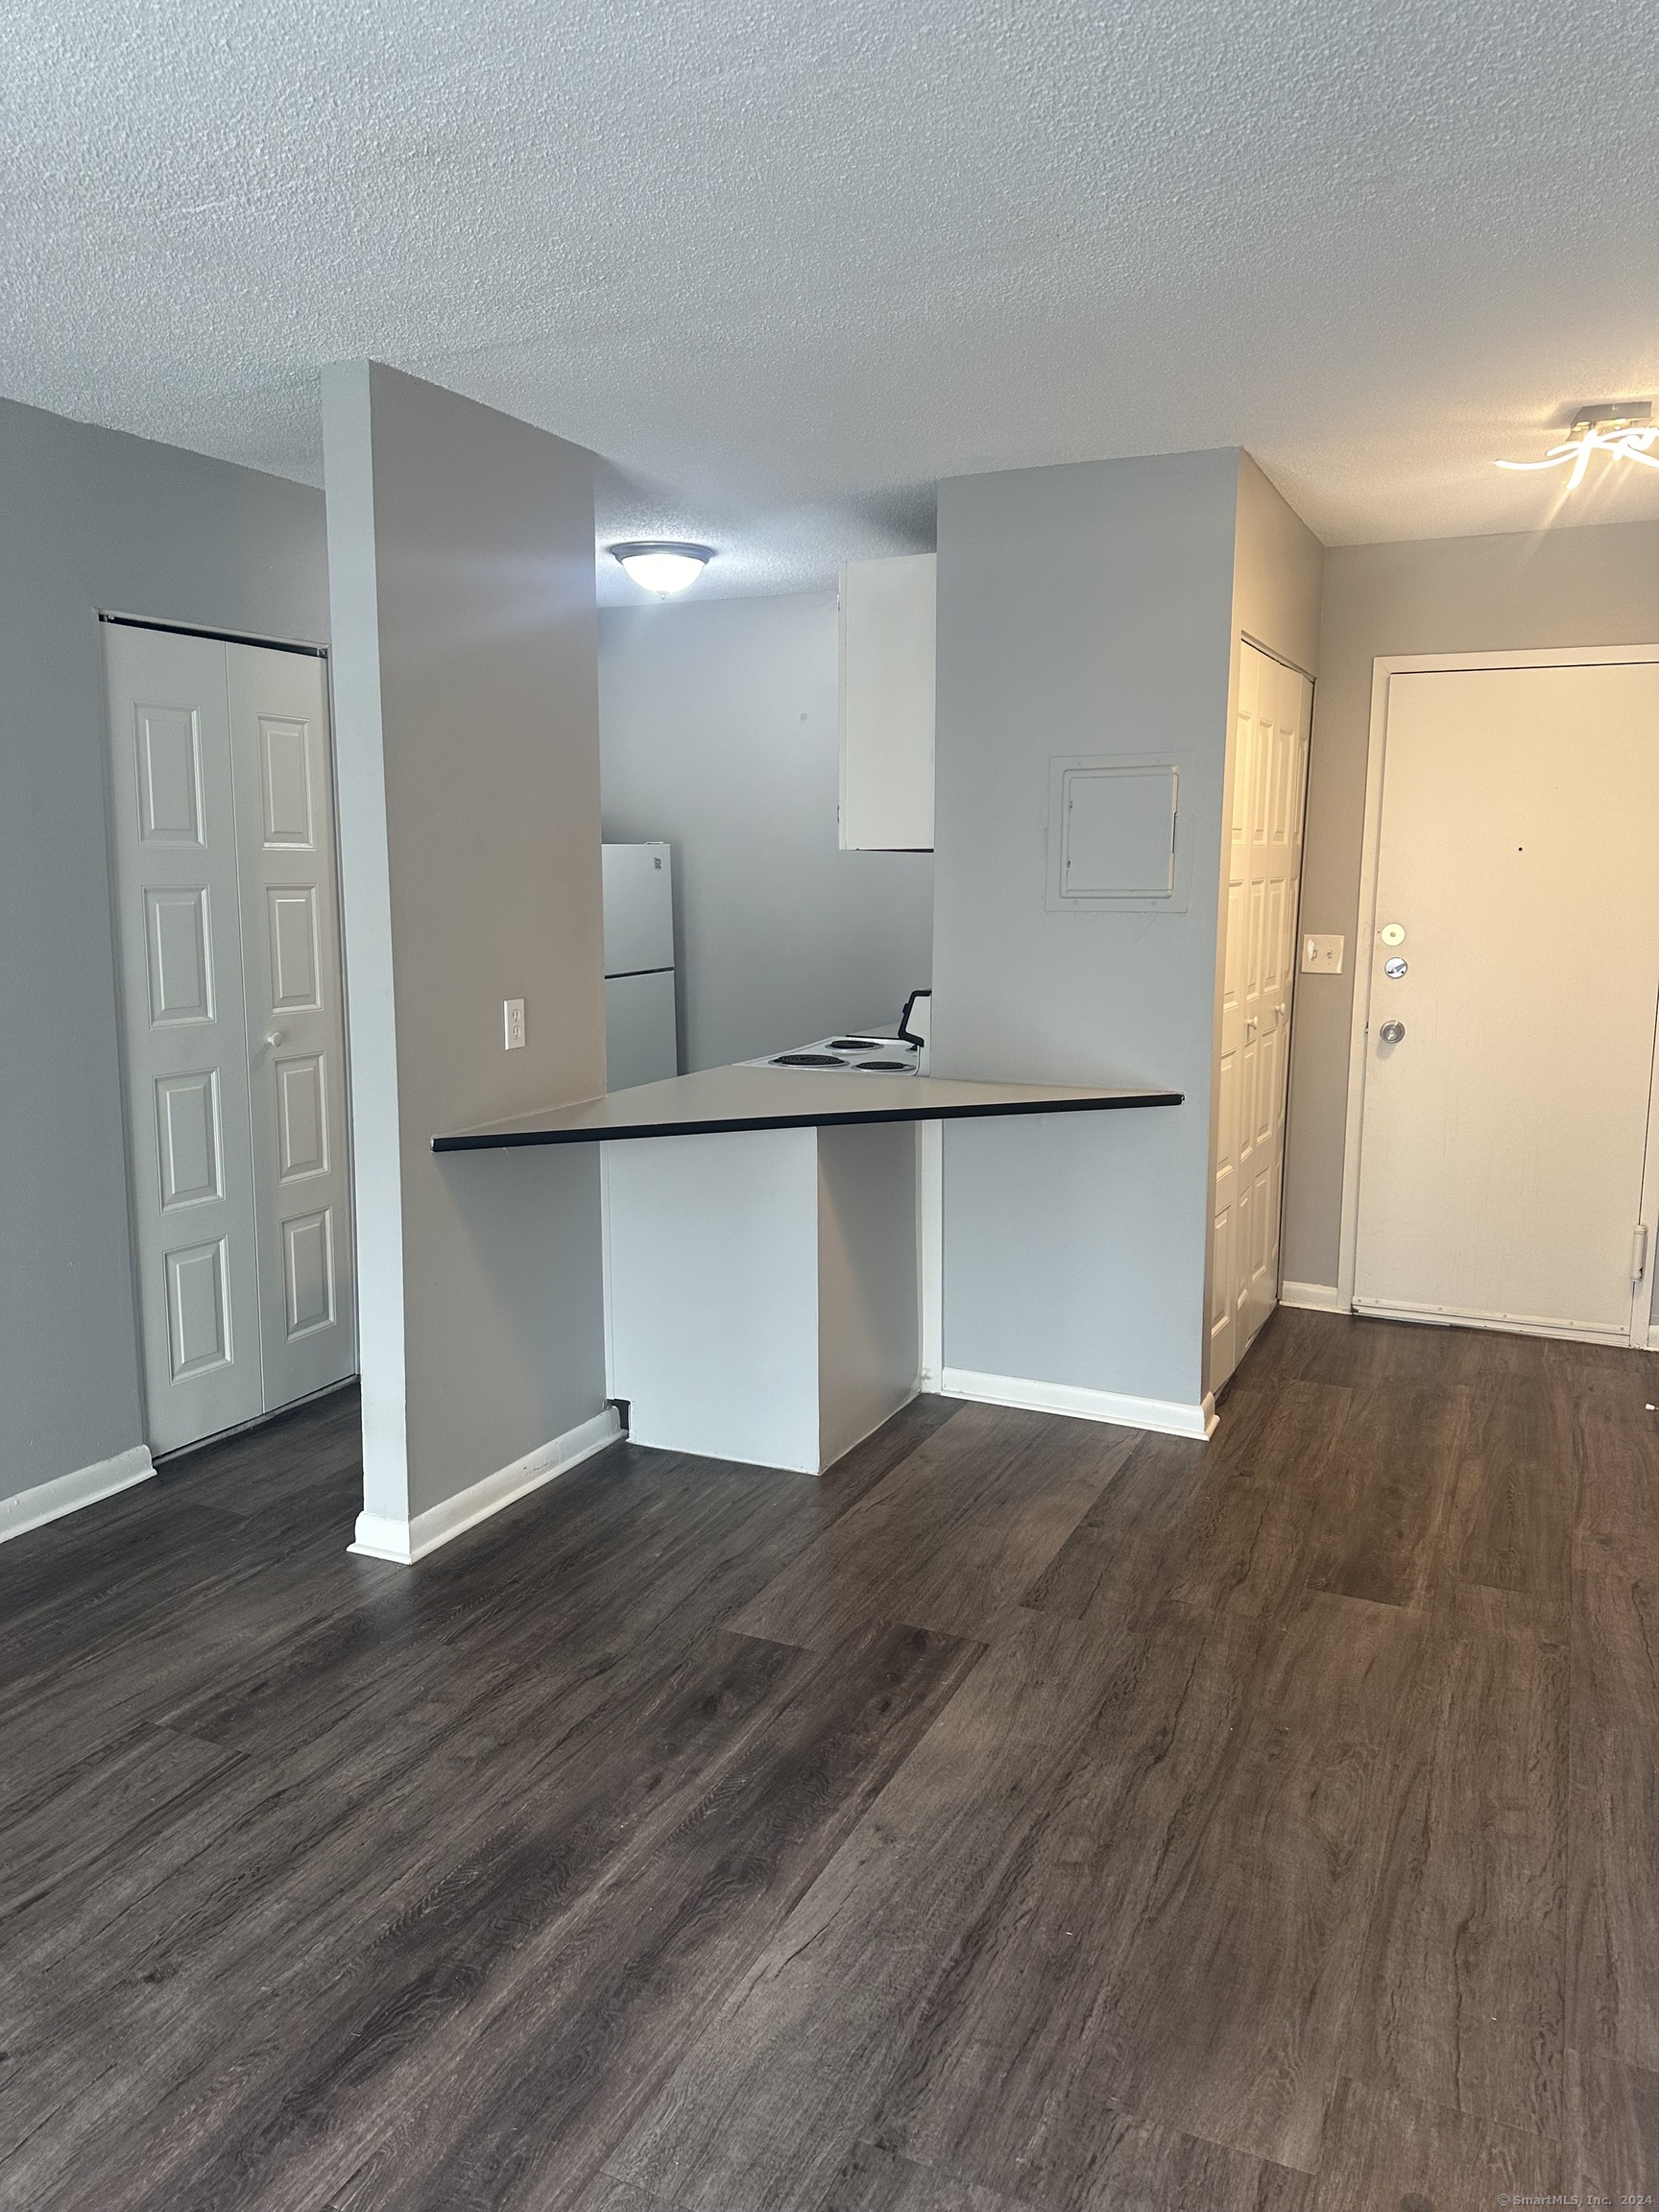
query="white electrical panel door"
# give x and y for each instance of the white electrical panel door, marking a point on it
(1512, 973)
(296, 1018)
(1258, 965)
(226, 921)
(887, 610)
(1117, 833)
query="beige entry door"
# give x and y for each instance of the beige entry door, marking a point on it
(1258, 967)
(227, 912)
(1513, 978)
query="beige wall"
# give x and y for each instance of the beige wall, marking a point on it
(1277, 569)
(1570, 586)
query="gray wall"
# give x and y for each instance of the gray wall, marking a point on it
(718, 725)
(1578, 587)
(461, 549)
(1081, 610)
(92, 519)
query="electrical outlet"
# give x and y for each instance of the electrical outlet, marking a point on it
(1321, 955)
(513, 1021)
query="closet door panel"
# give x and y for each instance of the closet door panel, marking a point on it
(296, 1020)
(184, 1034)
(1257, 954)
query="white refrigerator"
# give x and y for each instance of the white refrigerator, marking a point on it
(641, 1041)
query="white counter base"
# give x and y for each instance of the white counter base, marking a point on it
(761, 1288)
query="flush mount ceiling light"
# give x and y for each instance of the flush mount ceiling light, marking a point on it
(1619, 426)
(662, 565)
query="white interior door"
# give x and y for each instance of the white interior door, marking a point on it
(173, 833)
(296, 1018)
(1257, 956)
(1516, 953)
(228, 932)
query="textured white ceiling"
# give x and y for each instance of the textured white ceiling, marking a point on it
(785, 265)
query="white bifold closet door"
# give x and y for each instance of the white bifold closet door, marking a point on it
(1258, 967)
(227, 923)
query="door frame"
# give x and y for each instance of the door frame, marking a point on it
(309, 649)
(1383, 668)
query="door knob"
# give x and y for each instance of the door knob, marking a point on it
(1391, 1032)
(275, 1037)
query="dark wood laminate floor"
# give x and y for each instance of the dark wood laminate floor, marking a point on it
(1031, 1817)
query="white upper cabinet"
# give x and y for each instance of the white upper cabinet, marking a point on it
(886, 692)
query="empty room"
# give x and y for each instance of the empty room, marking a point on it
(830, 977)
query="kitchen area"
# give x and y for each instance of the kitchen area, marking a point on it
(771, 1226)
(1097, 853)
(641, 999)
(974, 813)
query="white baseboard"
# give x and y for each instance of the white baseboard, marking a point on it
(1169, 1416)
(403, 1542)
(68, 1493)
(1313, 1297)
(1654, 1336)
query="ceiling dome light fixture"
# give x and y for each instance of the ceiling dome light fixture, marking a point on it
(1619, 426)
(662, 565)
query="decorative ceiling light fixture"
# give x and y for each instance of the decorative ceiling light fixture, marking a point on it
(662, 565)
(1618, 426)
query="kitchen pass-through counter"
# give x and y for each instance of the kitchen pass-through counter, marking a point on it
(763, 1257)
(726, 1100)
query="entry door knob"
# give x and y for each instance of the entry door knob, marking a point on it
(274, 1037)
(1391, 1032)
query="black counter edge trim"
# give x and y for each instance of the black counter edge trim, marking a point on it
(513, 1140)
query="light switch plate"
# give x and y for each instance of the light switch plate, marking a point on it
(513, 1023)
(1321, 955)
